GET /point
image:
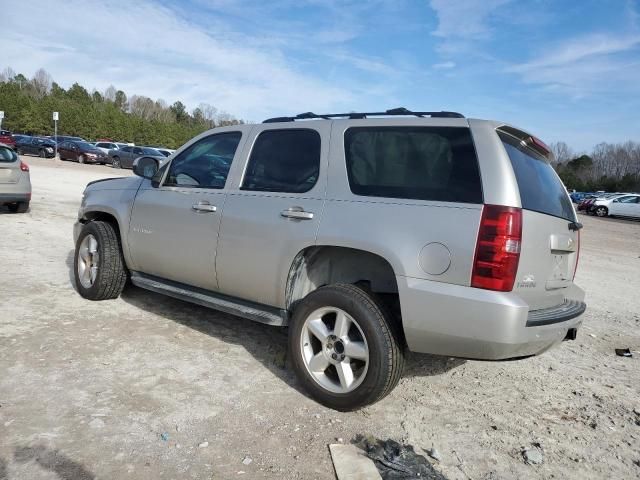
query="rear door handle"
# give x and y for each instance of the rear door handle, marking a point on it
(296, 212)
(203, 207)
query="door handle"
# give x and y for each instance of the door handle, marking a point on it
(297, 213)
(203, 207)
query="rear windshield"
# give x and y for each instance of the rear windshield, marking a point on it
(7, 155)
(422, 163)
(541, 190)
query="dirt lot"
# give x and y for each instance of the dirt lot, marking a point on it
(130, 388)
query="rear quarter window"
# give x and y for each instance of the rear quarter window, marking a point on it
(7, 155)
(421, 163)
(541, 190)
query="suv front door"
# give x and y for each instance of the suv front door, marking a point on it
(173, 231)
(273, 212)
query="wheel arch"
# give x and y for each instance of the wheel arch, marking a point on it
(320, 265)
(109, 217)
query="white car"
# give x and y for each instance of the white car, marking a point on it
(106, 146)
(626, 206)
(603, 204)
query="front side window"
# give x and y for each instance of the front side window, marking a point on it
(419, 163)
(284, 161)
(206, 163)
(629, 199)
(126, 149)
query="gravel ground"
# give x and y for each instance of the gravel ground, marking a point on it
(148, 387)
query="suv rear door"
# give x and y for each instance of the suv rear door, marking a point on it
(550, 235)
(274, 211)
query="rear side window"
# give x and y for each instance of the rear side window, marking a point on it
(541, 190)
(7, 155)
(421, 163)
(284, 161)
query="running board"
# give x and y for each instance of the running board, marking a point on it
(235, 306)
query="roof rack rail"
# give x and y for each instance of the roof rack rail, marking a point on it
(400, 111)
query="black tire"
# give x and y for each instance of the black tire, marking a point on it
(112, 274)
(18, 207)
(115, 162)
(384, 340)
(19, 151)
(42, 153)
(81, 159)
(601, 211)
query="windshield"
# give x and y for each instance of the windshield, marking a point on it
(541, 190)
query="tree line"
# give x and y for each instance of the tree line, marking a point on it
(609, 167)
(28, 104)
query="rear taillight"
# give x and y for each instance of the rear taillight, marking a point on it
(23, 166)
(498, 248)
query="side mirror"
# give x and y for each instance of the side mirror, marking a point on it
(145, 167)
(615, 200)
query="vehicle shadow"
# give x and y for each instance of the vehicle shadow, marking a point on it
(265, 343)
(50, 460)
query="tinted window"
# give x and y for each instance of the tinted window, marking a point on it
(137, 151)
(284, 161)
(629, 199)
(7, 155)
(422, 163)
(151, 151)
(206, 163)
(126, 149)
(541, 190)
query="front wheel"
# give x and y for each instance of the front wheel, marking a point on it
(99, 267)
(345, 347)
(42, 153)
(601, 211)
(81, 159)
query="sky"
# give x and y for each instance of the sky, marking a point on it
(564, 70)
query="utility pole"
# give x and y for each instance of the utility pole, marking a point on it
(1, 117)
(55, 135)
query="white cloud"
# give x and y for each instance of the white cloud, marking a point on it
(464, 19)
(144, 48)
(444, 65)
(585, 65)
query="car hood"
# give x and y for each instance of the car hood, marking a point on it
(117, 183)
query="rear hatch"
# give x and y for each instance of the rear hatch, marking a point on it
(550, 232)
(9, 166)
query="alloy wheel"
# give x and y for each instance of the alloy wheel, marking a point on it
(334, 350)
(88, 257)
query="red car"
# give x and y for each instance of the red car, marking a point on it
(7, 139)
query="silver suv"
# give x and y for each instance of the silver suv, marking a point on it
(367, 234)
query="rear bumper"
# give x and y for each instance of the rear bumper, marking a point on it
(467, 322)
(14, 197)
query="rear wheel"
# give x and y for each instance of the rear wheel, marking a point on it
(601, 211)
(18, 207)
(115, 163)
(345, 347)
(99, 267)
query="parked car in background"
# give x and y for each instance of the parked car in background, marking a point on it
(44, 147)
(577, 197)
(123, 157)
(106, 146)
(586, 202)
(336, 226)
(7, 139)
(82, 152)
(19, 136)
(625, 206)
(63, 138)
(15, 182)
(601, 205)
(164, 151)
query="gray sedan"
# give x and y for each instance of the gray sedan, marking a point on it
(124, 157)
